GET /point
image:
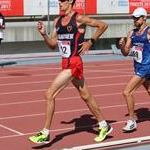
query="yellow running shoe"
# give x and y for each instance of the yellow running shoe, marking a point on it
(103, 133)
(40, 138)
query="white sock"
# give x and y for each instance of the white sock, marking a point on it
(46, 131)
(102, 124)
(133, 120)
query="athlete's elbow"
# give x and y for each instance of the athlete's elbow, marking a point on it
(125, 54)
(52, 47)
(104, 26)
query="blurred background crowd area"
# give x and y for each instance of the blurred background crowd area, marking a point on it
(21, 16)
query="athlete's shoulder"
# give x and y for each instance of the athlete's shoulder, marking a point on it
(148, 29)
(79, 16)
(56, 20)
(130, 33)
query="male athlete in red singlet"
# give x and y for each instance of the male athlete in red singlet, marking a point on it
(68, 32)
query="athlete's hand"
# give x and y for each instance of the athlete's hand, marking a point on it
(122, 42)
(85, 46)
(41, 28)
(2, 26)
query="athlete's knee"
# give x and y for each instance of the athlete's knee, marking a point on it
(126, 93)
(148, 91)
(49, 96)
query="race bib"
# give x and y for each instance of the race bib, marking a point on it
(1, 21)
(136, 52)
(64, 48)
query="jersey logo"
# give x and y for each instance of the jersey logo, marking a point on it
(69, 28)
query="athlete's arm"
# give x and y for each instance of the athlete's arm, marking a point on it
(100, 28)
(126, 46)
(52, 40)
(148, 35)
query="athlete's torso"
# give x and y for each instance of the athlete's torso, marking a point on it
(69, 37)
(141, 47)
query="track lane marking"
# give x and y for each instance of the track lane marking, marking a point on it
(12, 130)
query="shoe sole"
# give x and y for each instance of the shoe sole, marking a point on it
(129, 130)
(46, 142)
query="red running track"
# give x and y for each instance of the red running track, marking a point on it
(22, 106)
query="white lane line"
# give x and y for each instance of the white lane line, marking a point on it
(27, 69)
(24, 102)
(86, 72)
(70, 111)
(57, 130)
(38, 90)
(48, 81)
(12, 130)
(67, 98)
(21, 116)
(118, 64)
(20, 92)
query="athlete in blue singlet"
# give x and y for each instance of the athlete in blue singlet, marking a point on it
(138, 46)
(68, 32)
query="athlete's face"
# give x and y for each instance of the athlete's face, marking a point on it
(138, 21)
(63, 4)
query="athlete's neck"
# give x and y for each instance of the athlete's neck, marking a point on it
(69, 12)
(141, 28)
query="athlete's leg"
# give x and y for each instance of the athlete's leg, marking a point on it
(132, 85)
(146, 84)
(59, 83)
(87, 97)
(104, 127)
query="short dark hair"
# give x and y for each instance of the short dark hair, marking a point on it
(1, 14)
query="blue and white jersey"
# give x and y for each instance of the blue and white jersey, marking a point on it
(141, 48)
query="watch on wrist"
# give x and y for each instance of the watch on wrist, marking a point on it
(44, 34)
(92, 41)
